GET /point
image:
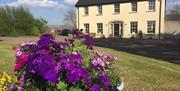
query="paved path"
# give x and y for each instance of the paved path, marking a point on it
(166, 50)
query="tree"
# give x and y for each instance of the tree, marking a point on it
(70, 18)
(175, 9)
(18, 21)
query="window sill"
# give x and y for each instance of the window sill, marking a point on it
(85, 15)
(116, 13)
(98, 14)
(132, 12)
(150, 33)
(151, 11)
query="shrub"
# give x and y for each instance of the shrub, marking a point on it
(18, 21)
(140, 34)
(72, 65)
(35, 31)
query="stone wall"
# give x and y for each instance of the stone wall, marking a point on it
(172, 30)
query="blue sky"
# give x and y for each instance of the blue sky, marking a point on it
(53, 10)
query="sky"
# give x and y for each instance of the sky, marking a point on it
(53, 10)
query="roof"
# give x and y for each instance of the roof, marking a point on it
(82, 3)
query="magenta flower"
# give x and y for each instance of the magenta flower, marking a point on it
(20, 62)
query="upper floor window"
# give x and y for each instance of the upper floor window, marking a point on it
(134, 6)
(100, 28)
(99, 9)
(86, 11)
(151, 26)
(134, 27)
(116, 8)
(152, 4)
(86, 26)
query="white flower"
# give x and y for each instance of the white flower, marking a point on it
(30, 42)
(18, 53)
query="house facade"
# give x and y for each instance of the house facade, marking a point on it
(121, 18)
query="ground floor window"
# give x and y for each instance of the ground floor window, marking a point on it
(86, 27)
(151, 26)
(134, 27)
(100, 28)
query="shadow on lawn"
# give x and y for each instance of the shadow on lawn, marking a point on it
(167, 50)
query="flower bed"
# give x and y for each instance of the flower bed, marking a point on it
(72, 64)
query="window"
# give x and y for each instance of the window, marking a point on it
(100, 28)
(86, 26)
(99, 8)
(151, 26)
(86, 11)
(152, 5)
(134, 6)
(116, 8)
(134, 27)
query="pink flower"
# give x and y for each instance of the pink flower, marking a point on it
(21, 81)
(20, 89)
(98, 61)
(20, 62)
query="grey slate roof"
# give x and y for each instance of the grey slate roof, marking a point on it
(82, 3)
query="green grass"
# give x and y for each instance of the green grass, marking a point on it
(143, 72)
(137, 71)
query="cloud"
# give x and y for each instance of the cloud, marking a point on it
(70, 2)
(37, 3)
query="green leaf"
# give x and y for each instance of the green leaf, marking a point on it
(61, 86)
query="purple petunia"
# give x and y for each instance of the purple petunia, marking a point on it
(104, 79)
(43, 66)
(76, 58)
(95, 87)
(89, 41)
(45, 40)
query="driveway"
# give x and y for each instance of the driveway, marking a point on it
(166, 50)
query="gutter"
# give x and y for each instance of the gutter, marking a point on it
(160, 18)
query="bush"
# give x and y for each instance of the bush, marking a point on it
(140, 34)
(35, 31)
(72, 65)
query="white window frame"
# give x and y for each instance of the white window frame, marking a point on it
(99, 10)
(151, 27)
(87, 27)
(134, 27)
(152, 5)
(134, 6)
(99, 28)
(86, 11)
(117, 8)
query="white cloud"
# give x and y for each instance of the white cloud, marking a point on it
(70, 2)
(37, 3)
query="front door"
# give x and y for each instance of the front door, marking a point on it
(116, 29)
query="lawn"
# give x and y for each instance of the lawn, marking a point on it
(137, 71)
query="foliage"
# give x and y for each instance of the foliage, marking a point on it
(140, 34)
(5, 81)
(174, 9)
(50, 65)
(16, 21)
